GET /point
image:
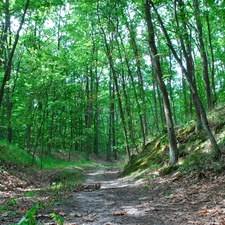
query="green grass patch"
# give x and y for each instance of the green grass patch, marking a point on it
(12, 202)
(11, 154)
(3, 208)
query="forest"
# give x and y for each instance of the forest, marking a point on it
(104, 78)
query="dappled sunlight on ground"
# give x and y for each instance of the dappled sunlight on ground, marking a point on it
(198, 198)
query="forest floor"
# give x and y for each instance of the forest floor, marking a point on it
(106, 198)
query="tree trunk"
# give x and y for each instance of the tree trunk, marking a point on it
(8, 62)
(9, 113)
(132, 34)
(196, 98)
(115, 80)
(88, 113)
(203, 54)
(130, 75)
(212, 61)
(186, 49)
(158, 72)
(111, 108)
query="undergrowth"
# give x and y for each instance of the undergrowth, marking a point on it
(195, 152)
(12, 155)
(29, 217)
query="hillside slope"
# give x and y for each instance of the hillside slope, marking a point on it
(195, 150)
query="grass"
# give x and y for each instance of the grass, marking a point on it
(11, 154)
(62, 174)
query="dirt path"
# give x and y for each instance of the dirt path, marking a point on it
(171, 200)
(119, 201)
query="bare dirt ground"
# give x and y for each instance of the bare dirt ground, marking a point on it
(196, 199)
(199, 199)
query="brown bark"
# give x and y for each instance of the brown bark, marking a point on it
(115, 80)
(196, 98)
(186, 49)
(212, 61)
(204, 58)
(158, 72)
(130, 75)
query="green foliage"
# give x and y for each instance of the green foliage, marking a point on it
(193, 149)
(12, 202)
(13, 154)
(8, 213)
(168, 170)
(58, 219)
(169, 192)
(145, 187)
(61, 73)
(150, 158)
(28, 218)
(3, 208)
(30, 194)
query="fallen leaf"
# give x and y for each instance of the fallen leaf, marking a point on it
(202, 212)
(88, 219)
(119, 213)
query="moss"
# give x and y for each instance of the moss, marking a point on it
(168, 170)
(153, 154)
(194, 152)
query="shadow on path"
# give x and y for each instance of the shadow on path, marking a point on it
(159, 200)
(119, 201)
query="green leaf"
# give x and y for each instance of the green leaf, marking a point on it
(6, 214)
(12, 202)
(58, 219)
(209, 2)
(32, 211)
(28, 217)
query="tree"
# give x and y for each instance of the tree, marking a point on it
(7, 52)
(158, 72)
(196, 98)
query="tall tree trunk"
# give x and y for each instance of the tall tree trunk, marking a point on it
(132, 34)
(72, 125)
(96, 116)
(111, 108)
(156, 117)
(8, 60)
(202, 50)
(88, 113)
(158, 72)
(184, 89)
(115, 79)
(114, 126)
(130, 75)
(187, 51)
(9, 113)
(171, 90)
(124, 84)
(212, 60)
(196, 98)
